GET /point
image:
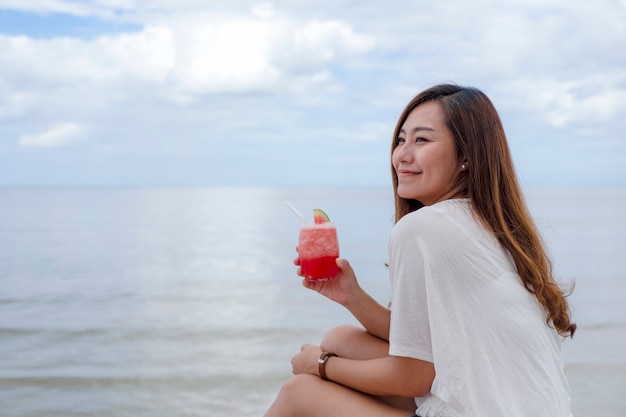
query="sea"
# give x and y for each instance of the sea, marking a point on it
(181, 302)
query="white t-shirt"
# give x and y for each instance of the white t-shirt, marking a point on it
(458, 302)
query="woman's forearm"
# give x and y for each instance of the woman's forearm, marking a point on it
(391, 376)
(374, 317)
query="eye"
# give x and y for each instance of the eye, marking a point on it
(420, 139)
(399, 140)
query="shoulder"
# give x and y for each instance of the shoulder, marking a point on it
(435, 221)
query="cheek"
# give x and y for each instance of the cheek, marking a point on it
(433, 158)
(440, 161)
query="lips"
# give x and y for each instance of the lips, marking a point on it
(406, 172)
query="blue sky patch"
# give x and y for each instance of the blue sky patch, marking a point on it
(50, 25)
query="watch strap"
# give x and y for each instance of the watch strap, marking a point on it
(321, 364)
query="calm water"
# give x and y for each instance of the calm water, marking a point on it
(184, 302)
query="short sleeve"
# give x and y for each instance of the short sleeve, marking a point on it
(409, 334)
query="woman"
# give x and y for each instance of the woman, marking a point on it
(476, 318)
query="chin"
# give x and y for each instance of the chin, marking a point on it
(407, 195)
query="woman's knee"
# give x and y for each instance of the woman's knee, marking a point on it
(292, 395)
(339, 338)
(353, 342)
(295, 389)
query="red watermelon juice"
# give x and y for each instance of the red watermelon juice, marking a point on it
(318, 248)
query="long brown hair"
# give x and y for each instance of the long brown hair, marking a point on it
(493, 189)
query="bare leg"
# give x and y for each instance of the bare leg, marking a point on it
(309, 396)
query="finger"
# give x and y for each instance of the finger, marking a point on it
(293, 365)
(343, 264)
(311, 285)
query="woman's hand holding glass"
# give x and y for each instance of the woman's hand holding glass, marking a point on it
(342, 289)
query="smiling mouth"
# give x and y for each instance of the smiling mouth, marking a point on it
(404, 172)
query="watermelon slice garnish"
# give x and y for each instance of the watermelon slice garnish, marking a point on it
(320, 217)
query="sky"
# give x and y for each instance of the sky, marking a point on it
(301, 92)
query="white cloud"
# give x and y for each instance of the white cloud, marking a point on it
(59, 134)
(311, 47)
(264, 10)
(217, 54)
(585, 103)
(197, 73)
(190, 55)
(146, 56)
(13, 104)
(570, 110)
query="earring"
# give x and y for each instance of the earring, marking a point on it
(463, 166)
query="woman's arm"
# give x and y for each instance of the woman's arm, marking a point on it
(345, 290)
(373, 317)
(389, 376)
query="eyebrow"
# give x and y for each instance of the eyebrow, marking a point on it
(418, 129)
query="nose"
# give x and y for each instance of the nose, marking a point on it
(401, 155)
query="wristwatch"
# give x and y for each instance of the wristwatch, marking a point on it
(321, 364)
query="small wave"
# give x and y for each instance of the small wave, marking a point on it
(183, 382)
(153, 333)
(606, 325)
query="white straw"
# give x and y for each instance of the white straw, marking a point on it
(295, 210)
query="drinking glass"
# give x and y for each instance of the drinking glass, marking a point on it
(318, 248)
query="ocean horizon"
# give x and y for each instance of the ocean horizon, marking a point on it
(183, 301)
